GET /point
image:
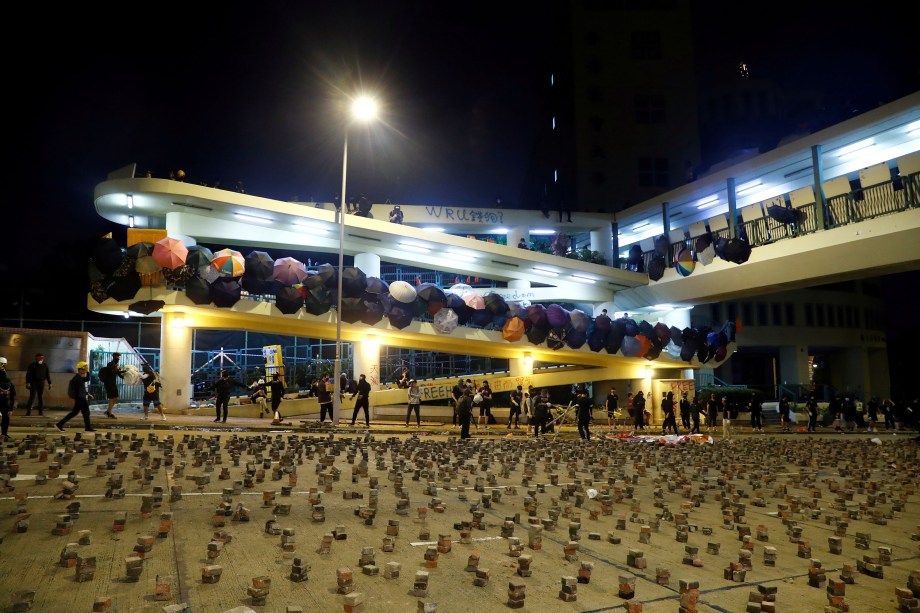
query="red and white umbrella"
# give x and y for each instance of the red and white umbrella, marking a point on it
(169, 253)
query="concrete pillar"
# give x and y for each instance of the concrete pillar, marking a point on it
(367, 360)
(793, 365)
(175, 361)
(369, 263)
(602, 242)
(856, 370)
(516, 233)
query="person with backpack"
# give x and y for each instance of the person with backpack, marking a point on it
(37, 374)
(109, 376)
(152, 387)
(7, 401)
(76, 390)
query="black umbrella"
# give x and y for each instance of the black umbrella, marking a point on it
(140, 250)
(495, 303)
(602, 323)
(705, 249)
(481, 317)
(433, 296)
(537, 334)
(463, 312)
(107, 255)
(661, 246)
(676, 336)
(630, 327)
(597, 341)
(198, 290)
(179, 276)
(634, 260)
(289, 300)
(688, 350)
(313, 280)
(576, 338)
(400, 315)
(536, 313)
(318, 301)
(376, 286)
(352, 309)
(784, 214)
(147, 306)
(259, 265)
(614, 339)
(373, 312)
(737, 251)
(328, 274)
(124, 288)
(199, 260)
(354, 282)
(226, 291)
(646, 329)
(662, 333)
(97, 290)
(94, 273)
(555, 338)
(656, 268)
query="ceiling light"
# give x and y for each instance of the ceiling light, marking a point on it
(663, 307)
(748, 186)
(311, 226)
(640, 225)
(542, 232)
(253, 218)
(130, 201)
(415, 248)
(584, 279)
(707, 202)
(499, 231)
(130, 221)
(913, 127)
(434, 229)
(546, 271)
(857, 146)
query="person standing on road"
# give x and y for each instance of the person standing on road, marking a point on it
(541, 413)
(465, 412)
(221, 389)
(812, 407)
(756, 409)
(611, 405)
(7, 400)
(37, 374)
(324, 396)
(455, 395)
(670, 415)
(276, 387)
(583, 408)
(76, 390)
(784, 412)
(152, 387)
(727, 416)
(685, 411)
(415, 403)
(514, 415)
(639, 410)
(696, 408)
(109, 375)
(712, 412)
(485, 407)
(363, 393)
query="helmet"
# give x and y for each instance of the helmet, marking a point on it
(2, 360)
(261, 381)
(81, 365)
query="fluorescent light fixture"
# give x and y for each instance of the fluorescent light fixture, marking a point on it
(500, 231)
(584, 279)
(640, 225)
(546, 271)
(415, 248)
(542, 231)
(311, 226)
(126, 314)
(707, 202)
(663, 307)
(857, 146)
(130, 221)
(748, 186)
(130, 201)
(435, 229)
(913, 127)
(253, 218)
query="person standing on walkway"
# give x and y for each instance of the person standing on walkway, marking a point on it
(541, 413)
(465, 412)
(485, 407)
(811, 406)
(527, 408)
(221, 389)
(784, 412)
(685, 411)
(76, 390)
(712, 412)
(152, 387)
(756, 413)
(872, 413)
(7, 400)
(276, 387)
(514, 414)
(727, 416)
(583, 409)
(611, 405)
(109, 376)
(455, 395)
(37, 374)
(324, 396)
(363, 394)
(696, 408)
(888, 411)
(639, 410)
(670, 415)
(415, 403)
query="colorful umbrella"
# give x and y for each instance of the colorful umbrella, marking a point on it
(536, 313)
(445, 320)
(288, 271)
(229, 263)
(557, 316)
(169, 252)
(683, 262)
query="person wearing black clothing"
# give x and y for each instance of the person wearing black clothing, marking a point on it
(611, 404)
(7, 400)
(455, 395)
(811, 405)
(514, 415)
(695, 409)
(404, 379)
(756, 409)
(888, 411)
(324, 395)
(541, 413)
(784, 412)
(363, 393)
(37, 374)
(152, 385)
(76, 389)
(276, 387)
(465, 412)
(485, 407)
(872, 412)
(712, 412)
(221, 389)
(685, 411)
(639, 410)
(670, 417)
(583, 408)
(109, 377)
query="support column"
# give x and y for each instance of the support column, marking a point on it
(516, 233)
(793, 365)
(817, 166)
(175, 361)
(602, 242)
(521, 366)
(367, 360)
(732, 207)
(369, 263)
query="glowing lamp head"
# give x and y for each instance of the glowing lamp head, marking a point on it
(364, 108)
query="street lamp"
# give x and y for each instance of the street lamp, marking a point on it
(364, 110)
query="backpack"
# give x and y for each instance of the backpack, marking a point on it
(104, 374)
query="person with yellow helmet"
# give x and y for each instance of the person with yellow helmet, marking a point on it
(76, 390)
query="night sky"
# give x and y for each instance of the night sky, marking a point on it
(248, 92)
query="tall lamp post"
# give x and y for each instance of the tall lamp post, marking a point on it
(363, 109)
